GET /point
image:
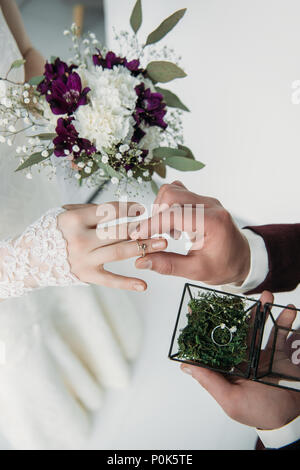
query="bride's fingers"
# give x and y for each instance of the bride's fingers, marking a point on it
(108, 279)
(124, 250)
(72, 207)
(114, 233)
(118, 210)
(90, 215)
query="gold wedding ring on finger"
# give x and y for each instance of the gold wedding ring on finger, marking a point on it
(141, 248)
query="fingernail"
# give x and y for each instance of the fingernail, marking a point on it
(158, 244)
(186, 370)
(144, 264)
(139, 287)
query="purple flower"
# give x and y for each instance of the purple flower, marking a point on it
(66, 97)
(111, 59)
(68, 139)
(150, 109)
(58, 69)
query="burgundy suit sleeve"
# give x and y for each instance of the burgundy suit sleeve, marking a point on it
(283, 247)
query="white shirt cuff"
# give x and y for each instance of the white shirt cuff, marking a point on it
(259, 265)
(281, 437)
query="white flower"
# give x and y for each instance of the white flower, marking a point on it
(233, 329)
(146, 173)
(87, 170)
(118, 156)
(81, 164)
(29, 176)
(124, 148)
(104, 159)
(222, 326)
(67, 152)
(45, 153)
(152, 139)
(114, 180)
(107, 118)
(66, 32)
(26, 100)
(77, 176)
(75, 148)
(129, 173)
(140, 180)
(90, 163)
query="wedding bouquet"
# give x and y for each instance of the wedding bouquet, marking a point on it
(101, 113)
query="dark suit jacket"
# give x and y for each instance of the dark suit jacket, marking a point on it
(283, 247)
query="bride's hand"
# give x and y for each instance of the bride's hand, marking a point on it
(90, 248)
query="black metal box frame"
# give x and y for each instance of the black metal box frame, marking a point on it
(250, 370)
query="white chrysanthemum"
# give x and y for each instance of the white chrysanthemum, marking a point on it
(107, 119)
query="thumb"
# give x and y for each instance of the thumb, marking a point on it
(215, 384)
(170, 264)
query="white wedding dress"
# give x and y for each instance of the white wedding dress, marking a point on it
(63, 346)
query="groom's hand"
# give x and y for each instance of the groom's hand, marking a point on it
(219, 254)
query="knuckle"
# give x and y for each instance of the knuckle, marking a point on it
(163, 267)
(224, 216)
(73, 218)
(215, 201)
(118, 252)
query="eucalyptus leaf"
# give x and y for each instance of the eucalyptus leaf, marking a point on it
(34, 159)
(164, 152)
(154, 187)
(45, 136)
(164, 71)
(160, 169)
(171, 99)
(183, 163)
(36, 80)
(136, 16)
(17, 64)
(189, 153)
(165, 27)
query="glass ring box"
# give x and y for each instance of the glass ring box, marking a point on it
(238, 336)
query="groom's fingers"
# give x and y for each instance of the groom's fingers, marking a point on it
(182, 219)
(108, 279)
(125, 250)
(171, 264)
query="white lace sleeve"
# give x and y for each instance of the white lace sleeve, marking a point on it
(38, 258)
